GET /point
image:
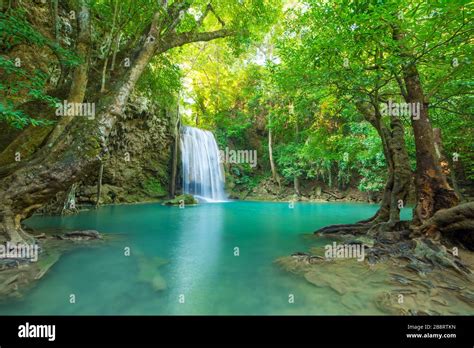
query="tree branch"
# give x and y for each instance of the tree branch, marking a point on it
(403, 90)
(177, 40)
(208, 9)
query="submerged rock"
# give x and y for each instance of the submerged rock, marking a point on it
(81, 235)
(17, 276)
(148, 272)
(401, 279)
(467, 296)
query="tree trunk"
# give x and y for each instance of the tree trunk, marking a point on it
(402, 175)
(296, 184)
(56, 21)
(275, 175)
(296, 179)
(115, 50)
(108, 48)
(104, 75)
(99, 184)
(399, 175)
(432, 189)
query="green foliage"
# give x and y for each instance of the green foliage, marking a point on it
(19, 80)
(161, 81)
(244, 177)
(290, 160)
(154, 188)
(233, 127)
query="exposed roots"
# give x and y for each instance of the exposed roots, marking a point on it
(453, 225)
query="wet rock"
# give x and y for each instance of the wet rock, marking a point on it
(295, 264)
(419, 267)
(466, 296)
(440, 301)
(12, 263)
(82, 235)
(424, 278)
(388, 303)
(307, 258)
(401, 279)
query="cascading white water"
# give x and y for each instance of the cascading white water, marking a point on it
(203, 175)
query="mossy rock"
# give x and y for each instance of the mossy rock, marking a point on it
(186, 198)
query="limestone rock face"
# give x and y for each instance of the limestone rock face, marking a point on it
(138, 167)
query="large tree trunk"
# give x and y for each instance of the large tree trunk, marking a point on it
(432, 189)
(402, 175)
(296, 184)
(399, 177)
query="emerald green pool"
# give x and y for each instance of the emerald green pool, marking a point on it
(190, 252)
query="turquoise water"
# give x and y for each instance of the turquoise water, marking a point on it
(197, 244)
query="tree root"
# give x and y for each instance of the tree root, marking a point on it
(455, 224)
(357, 228)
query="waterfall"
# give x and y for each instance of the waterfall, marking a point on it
(203, 175)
